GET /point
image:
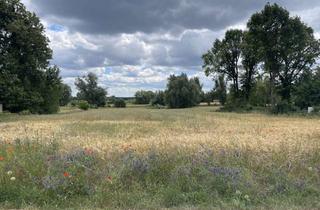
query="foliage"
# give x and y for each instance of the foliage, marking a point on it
(66, 95)
(90, 91)
(220, 90)
(183, 92)
(208, 97)
(276, 48)
(25, 75)
(224, 57)
(260, 93)
(307, 90)
(120, 103)
(287, 46)
(143, 97)
(84, 105)
(158, 99)
(284, 107)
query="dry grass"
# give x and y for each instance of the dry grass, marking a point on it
(168, 130)
(166, 158)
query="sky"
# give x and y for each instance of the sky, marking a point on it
(137, 44)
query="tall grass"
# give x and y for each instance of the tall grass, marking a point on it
(138, 158)
(45, 175)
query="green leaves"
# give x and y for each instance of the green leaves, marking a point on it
(90, 91)
(24, 58)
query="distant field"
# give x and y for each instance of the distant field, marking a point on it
(183, 129)
(279, 156)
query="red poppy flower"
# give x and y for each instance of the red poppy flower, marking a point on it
(1, 158)
(88, 151)
(66, 174)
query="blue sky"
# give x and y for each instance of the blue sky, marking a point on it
(136, 44)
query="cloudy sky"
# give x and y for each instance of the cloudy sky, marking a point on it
(137, 44)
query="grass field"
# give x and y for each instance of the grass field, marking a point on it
(144, 158)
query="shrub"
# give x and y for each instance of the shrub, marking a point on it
(183, 92)
(74, 103)
(120, 103)
(283, 107)
(84, 105)
(25, 112)
(143, 97)
(158, 99)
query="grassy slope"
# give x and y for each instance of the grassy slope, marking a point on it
(199, 153)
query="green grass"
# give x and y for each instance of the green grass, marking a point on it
(180, 159)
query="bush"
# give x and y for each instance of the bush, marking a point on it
(84, 105)
(158, 99)
(25, 112)
(120, 103)
(183, 92)
(283, 107)
(143, 97)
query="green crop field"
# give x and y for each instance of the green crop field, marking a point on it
(143, 158)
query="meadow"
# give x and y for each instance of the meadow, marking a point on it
(144, 158)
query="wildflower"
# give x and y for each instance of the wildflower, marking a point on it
(238, 192)
(1, 158)
(247, 197)
(310, 168)
(88, 151)
(109, 178)
(66, 174)
(9, 173)
(13, 178)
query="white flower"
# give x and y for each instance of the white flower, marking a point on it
(310, 168)
(13, 178)
(9, 173)
(247, 197)
(238, 192)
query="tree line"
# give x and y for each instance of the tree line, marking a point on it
(272, 63)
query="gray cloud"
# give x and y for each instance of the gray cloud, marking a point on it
(129, 16)
(137, 44)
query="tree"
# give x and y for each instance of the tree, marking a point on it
(287, 46)
(143, 97)
(90, 91)
(52, 92)
(250, 61)
(307, 90)
(208, 97)
(224, 57)
(66, 95)
(182, 92)
(158, 99)
(120, 103)
(25, 74)
(220, 90)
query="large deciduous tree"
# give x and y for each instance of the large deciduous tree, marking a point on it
(224, 57)
(183, 92)
(287, 46)
(66, 95)
(90, 91)
(25, 75)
